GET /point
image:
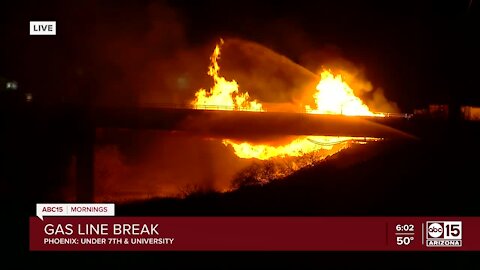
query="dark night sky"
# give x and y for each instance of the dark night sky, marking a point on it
(420, 52)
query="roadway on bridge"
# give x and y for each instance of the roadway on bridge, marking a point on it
(245, 124)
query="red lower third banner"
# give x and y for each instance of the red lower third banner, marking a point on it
(255, 233)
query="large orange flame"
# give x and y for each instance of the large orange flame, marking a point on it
(297, 148)
(333, 96)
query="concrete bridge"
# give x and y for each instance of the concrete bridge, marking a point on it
(223, 124)
(80, 125)
(245, 124)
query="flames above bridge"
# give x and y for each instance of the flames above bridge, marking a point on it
(230, 147)
(333, 96)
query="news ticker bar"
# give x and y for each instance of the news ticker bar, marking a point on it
(255, 233)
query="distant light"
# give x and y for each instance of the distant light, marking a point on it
(28, 97)
(12, 85)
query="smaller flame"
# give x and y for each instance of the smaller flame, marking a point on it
(225, 94)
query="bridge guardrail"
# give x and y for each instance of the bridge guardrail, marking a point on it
(233, 108)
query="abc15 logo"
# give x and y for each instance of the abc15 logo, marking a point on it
(448, 230)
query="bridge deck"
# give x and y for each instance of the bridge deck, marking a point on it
(247, 123)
